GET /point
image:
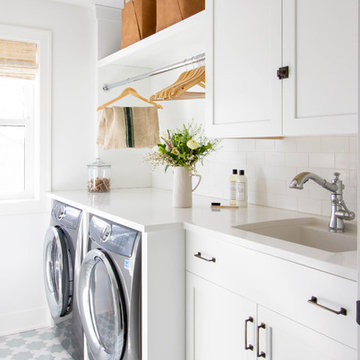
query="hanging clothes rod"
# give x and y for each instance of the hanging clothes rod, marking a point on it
(189, 61)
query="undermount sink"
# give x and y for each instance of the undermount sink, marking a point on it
(311, 232)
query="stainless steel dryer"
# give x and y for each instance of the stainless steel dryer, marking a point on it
(109, 297)
(62, 260)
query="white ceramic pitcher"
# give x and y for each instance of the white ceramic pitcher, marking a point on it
(182, 187)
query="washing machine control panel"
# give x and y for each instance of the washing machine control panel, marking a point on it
(112, 237)
(66, 215)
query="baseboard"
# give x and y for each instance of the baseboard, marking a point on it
(24, 320)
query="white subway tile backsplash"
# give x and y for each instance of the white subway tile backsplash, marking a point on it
(346, 161)
(264, 145)
(245, 145)
(286, 145)
(335, 144)
(276, 172)
(271, 164)
(353, 144)
(321, 160)
(350, 195)
(296, 159)
(309, 205)
(310, 144)
(353, 178)
(229, 145)
(255, 158)
(274, 158)
(325, 207)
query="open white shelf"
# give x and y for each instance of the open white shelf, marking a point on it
(175, 43)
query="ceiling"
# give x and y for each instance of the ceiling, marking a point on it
(87, 3)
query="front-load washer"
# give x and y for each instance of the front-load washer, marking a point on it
(109, 292)
(62, 260)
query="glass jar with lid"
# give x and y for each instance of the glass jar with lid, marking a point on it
(99, 176)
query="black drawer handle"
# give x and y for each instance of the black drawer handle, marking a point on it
(248, 346)
(198, 255)
(314, 301)
(259, 354)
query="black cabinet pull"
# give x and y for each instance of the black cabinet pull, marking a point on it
(283, 73)
(259, 354)
(248, 347)
(314, 301)
(199, 256)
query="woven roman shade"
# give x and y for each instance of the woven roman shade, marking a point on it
(18, 59)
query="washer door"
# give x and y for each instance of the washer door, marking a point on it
(58, 272)
(102, 307)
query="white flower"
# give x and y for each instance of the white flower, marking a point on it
(192, 144)
(175, 151)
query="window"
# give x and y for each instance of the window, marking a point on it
(24, 114)
(16, 133)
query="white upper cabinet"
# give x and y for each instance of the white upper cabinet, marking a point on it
(243, 92)
(251, 40)
(320, 48)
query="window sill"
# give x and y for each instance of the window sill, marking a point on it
(24, 206)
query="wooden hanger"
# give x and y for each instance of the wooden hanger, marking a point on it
(181, 89)
(178, 90)
(162, 93)
(187, 95)
(129, 91)
(191, 77)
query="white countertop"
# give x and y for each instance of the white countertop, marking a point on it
(150, 209)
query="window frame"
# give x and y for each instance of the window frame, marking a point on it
(34, 198)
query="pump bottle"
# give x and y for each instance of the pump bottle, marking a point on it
(241, 189)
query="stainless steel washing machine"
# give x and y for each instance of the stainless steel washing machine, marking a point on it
(62, 260)
(109, 292)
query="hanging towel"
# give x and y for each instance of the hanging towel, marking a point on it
(128, 127)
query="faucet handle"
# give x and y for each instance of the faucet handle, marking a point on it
(336, 178)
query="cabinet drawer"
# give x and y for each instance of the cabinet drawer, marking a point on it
(277, 284)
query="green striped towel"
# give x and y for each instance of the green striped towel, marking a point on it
(128, 127)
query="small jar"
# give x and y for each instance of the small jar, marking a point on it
(99, 176)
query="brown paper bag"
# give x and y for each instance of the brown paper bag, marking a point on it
(138, 20)
(191, 7)
(169, 12)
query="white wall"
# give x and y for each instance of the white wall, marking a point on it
(22, 299)
(127, 165)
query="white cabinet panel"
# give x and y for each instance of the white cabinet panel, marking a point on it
(284, 339)
(215, 322)
(320, 47)
(244, 94)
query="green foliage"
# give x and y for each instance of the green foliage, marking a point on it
(183, 147)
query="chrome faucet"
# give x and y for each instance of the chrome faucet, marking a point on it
(339, 210)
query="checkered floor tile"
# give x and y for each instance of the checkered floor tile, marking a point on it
(40, 344)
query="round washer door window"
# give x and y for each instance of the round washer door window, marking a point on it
(102, 306)
(57, 272)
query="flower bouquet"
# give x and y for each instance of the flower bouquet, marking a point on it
(182, 149)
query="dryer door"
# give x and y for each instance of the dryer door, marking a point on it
(58, 272)
(102, 306)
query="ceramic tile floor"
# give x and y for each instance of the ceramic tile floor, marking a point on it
(40, 344)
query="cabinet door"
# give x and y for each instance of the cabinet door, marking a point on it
(215, 322)
(284, 339)
(320, 48)
(242, 90)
